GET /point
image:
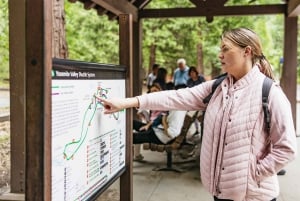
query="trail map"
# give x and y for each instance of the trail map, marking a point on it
(88, 147)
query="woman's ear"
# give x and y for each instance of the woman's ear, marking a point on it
(248, 51)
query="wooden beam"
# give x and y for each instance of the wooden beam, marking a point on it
(100, 10)
(215, 3)
(38, 37)
(89, 4)
(293, 8)
(126, 58)
(288, 80)
(214, 11)
(140, 4)
(118, 7)
(111, 16)
(17, 67)
(137, 58)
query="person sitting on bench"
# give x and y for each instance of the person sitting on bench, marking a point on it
(148, 119)
(169, 129)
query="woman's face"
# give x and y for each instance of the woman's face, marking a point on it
(154, 89)
(193, 74)
(232, 58)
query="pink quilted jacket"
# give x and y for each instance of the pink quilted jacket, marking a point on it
(235, 161)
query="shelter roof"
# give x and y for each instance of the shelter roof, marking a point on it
(204, 8)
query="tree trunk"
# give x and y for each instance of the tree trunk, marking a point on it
(200, 62)
(152, 57)
(59, 43)
(215, 71)
(200, 58)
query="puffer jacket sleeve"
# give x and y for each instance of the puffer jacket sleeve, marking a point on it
(282, 135)
(182, 99)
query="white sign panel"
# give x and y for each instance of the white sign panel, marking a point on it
(88, 147)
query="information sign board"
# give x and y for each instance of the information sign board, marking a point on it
(88, 147)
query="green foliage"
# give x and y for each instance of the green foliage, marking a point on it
(169, 4)
(173, 39)
(178, 37)
(252, 2)
(269, 28)
(4, 46)
(94, 38)
(91, 37)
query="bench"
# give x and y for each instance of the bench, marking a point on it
(176, 144)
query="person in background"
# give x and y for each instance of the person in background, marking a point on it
(195, 77)
(152, 76)
(161, 78)
(161, 128)
(181, 74)
(194, 80)
(169, 128)
(148, 119)
(240, 157)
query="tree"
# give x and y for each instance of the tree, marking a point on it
(198, 41)
(91, 37)
(59, 44)
(4, 46)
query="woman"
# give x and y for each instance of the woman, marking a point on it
(163, 133)
(195, 78)
(146, 121)
(161, 78)
(154, 118)
(162, 127)
(239, 159)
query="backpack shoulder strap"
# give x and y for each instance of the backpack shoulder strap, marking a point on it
(265, 95)
(217, 82)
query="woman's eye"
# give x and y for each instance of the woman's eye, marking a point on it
(224, 49)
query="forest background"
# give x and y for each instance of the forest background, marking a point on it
(94, 38)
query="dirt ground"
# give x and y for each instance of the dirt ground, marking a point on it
(4, 156)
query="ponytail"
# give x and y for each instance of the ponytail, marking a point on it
(265, 67)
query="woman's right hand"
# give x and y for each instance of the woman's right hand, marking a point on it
(116, 104)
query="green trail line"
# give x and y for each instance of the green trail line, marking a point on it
(82, 138)
(84, 131)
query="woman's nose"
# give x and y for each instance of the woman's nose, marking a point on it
(221, 56)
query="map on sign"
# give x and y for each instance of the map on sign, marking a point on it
(88, 146)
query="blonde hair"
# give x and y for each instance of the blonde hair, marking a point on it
(244, 37)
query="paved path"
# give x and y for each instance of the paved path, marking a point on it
(151, 185)
(4, 98)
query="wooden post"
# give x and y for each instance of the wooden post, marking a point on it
(137, 58)
(17, 94)
(38, 16)
(289, 71)
(126, 58)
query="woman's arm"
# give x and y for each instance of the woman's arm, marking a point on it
(282, 135)
(182, 99)
(117, 104)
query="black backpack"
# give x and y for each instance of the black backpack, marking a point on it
(265, 94)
